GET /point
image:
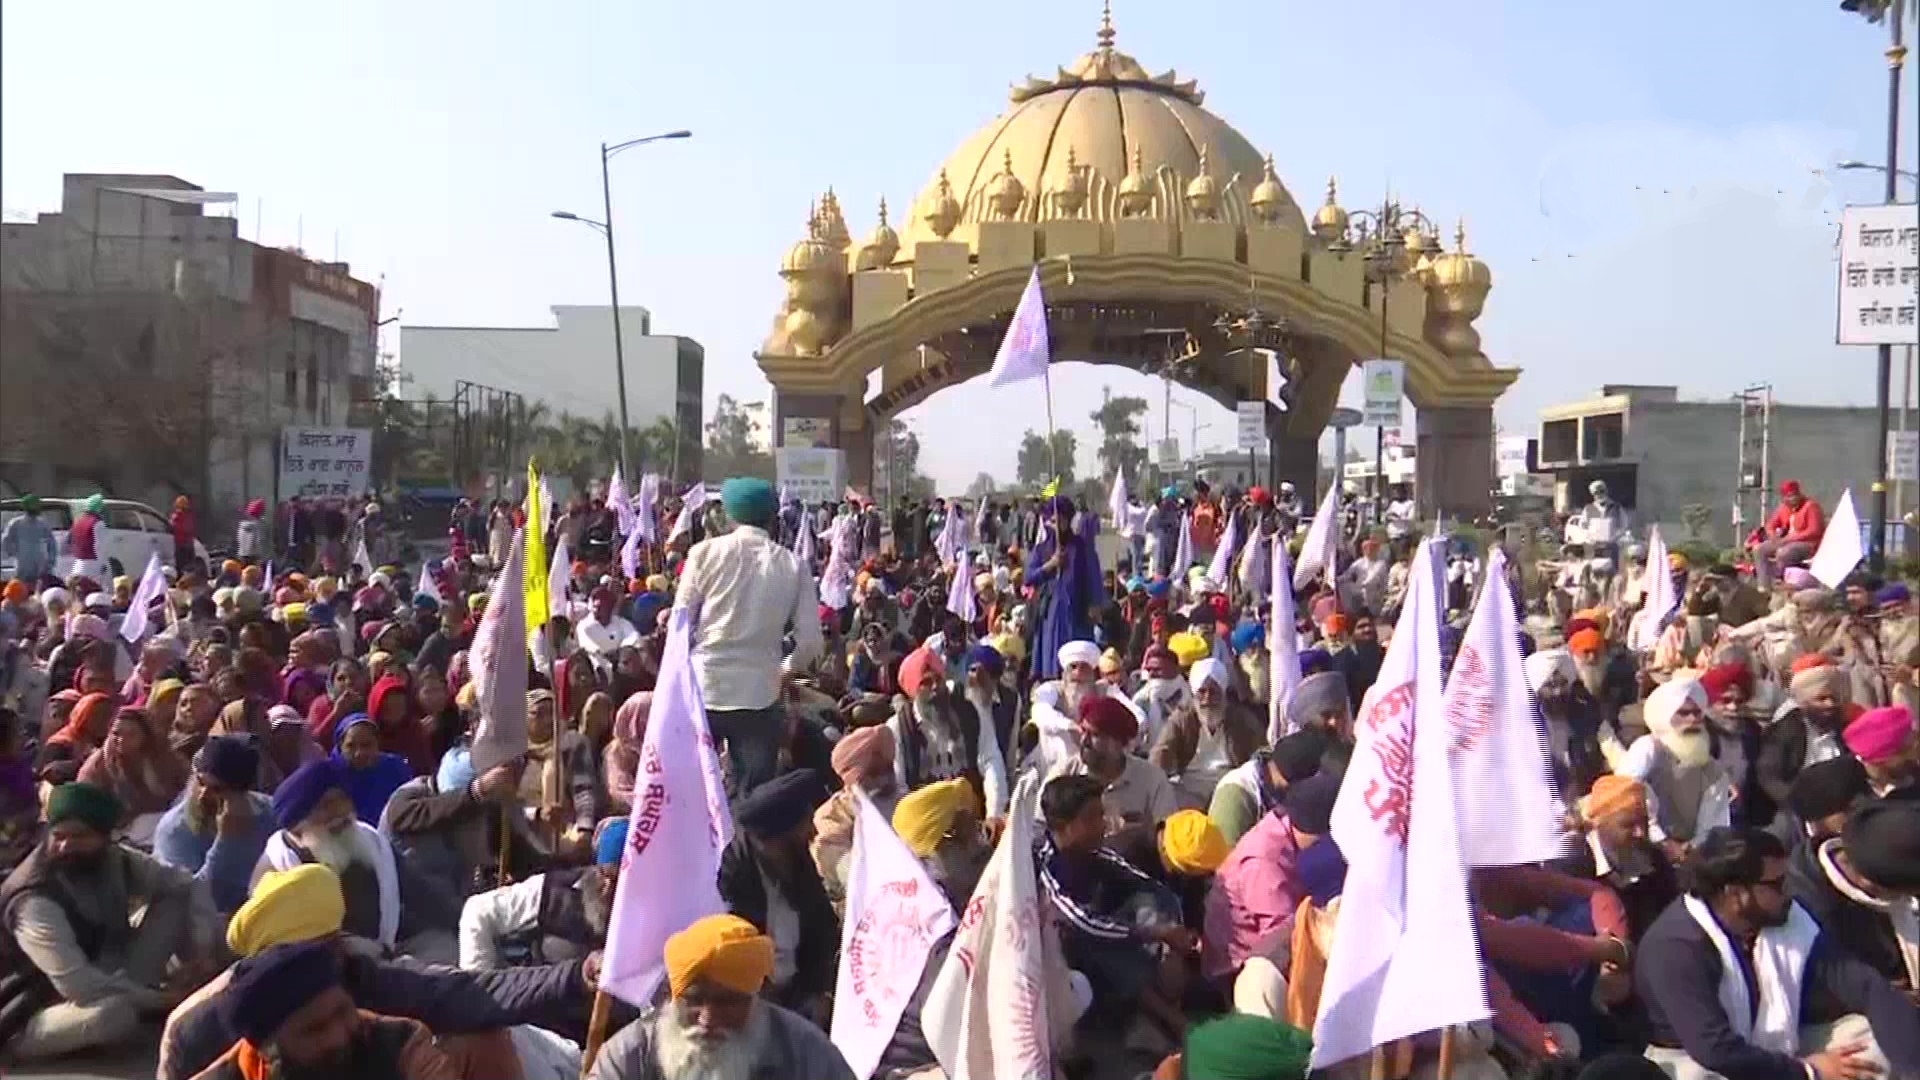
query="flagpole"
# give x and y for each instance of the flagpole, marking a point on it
(1444, 1071)
(596, 1031)
(506, 849)
(1053, 462)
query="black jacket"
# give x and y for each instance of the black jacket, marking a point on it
(816, 960)
(1866, 933)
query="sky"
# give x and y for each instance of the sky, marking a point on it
(1651, 183)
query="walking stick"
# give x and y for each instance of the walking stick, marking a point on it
(1445, 1069)
(596, 1031)
(506, 847)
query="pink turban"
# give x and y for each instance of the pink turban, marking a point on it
(863, 753)
(919, 663)
(1879, 734)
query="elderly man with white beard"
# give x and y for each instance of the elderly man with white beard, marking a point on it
(1200, 744)
(1572, 718)
(1164, 693)
(1691, 792)
(715, 1027)
(940, 737)
(1057, 705)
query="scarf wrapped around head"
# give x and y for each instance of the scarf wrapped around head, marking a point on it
(622, 756)
(1808, 684)
(864, 754)
(90, 708)
(1547, 663)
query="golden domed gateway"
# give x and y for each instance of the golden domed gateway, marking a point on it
(1144, 211)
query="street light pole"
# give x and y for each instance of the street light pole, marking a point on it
(1896, 57)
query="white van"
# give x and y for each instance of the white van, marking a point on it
(128, 532)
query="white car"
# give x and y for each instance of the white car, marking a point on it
(128, 532)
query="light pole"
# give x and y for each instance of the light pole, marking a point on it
(1896, 55)
(613, 288)
(1906, 378)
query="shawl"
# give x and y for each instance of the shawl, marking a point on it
(622, 756)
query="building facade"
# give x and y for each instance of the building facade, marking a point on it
(1681, 462)
(150, 351)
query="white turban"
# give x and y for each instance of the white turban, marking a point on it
(1545, 664)
(1205, 671)
(1079, 652)
(1667, 699)
(54, 596)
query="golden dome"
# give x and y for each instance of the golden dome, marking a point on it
(1109, 110)
(878, 252)
(1006, 193)
(810, 254)
(943, 210)
(1459, 270)
(1072, 198)
(1268, 198)
(1203, 194)
(1330, 223)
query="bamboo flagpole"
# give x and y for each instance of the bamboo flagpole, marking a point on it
(506, 849)
(596, 1031)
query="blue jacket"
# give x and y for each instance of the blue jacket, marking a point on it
(225, 863)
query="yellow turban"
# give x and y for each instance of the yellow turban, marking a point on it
(295, 612)
(1110, 662)
(287, 907)
(325, 588)
(378, 658)
(724, 949)
(1009, 646)
(924, 816)
(1191, 844)
(1189, 648)
(468, 699)
(1614, 796)
(658, 583)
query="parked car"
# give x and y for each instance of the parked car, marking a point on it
(128, 533)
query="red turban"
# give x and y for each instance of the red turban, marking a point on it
(1718, 679)
(919, 663)
(1107, 716)
(1789, 487)
(1809, 661)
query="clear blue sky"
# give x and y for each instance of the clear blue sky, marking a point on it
(1638, 173)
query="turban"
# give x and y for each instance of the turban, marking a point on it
(724, 949)
(1789, 488)
(1575, 625)
(1110, 662)
(1244, 1046)
(1676, 560)
(988, 657)
(1317, 695)
(1310, 803)
(1587, 643)
(95, 504)
(1079, 652)
(1545, 664)
(864, 753)
(1828, 787)
(1188, 648)
(1720, 678)
(1191, 844)
(1613, 797)
(268, 989)
(301, 791)
(230, 759)
(1248, 637)
(749, 501)
(1812, 600)
(95, 807)
(1808, 684)
(1599, 617)
(1109, 716)
(456, 770)
(1808, 661)
(658, 583)
(919, 664)
(1798, 578)
(782, 804)
(16, 590)
(611, 842)
(1336, 623)
(925, 815)
(288, 906)
(1158, 588)
(1315, 662)
(1666, 700)
(1208, 671)
(1883, 843)
(1895, 593)
(1878, 734)
(1297, 755)
(288, 716)
(982, 582)
(1322, 871)
(256, 507)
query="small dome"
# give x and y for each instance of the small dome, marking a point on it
(1072, 196)
(811, 254)
(1136, 191)
(1268, 197)
(1459, 270)
(878, 252)
(1330, 223)
(1203, 193)
(943, 210)
(1006, 193)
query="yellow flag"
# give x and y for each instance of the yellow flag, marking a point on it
(1052, 488)
(534, 585)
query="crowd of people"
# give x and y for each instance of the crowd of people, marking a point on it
(257, 825)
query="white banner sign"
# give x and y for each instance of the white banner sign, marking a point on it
(1252, 424)
(1169, 456)
(1384, 382)
(812, 475)
(1903, 456)
(1880, 275)
(317, 462)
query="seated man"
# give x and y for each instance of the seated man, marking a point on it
(1163, 693)
(550, 917)
(863, 759)
(448, 825)
(1181, 854)
(1259, 886)
(79, 975)
(940, 736)
(217, 831)
(1620, 854)
(1691, 791)
(767, 877)
(1738, 980)
(1321, 706)
(1216, 734)
(1855, 886)
(295, 1019)
(1058, 704)
(716, 1024)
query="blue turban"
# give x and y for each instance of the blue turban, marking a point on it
(780, 805)
(988, 657)
(646, 608)
(1170, 492)
(1321, 871)
(1895, 593)
(749, 501)
(268, 988)
(1315, 660)
(300, 792)
(319, 614)
(1248, 636)
(1136, 582)
(230, 759)
(423, 602)
(456, 771)
(612, 841)
(1158, 588)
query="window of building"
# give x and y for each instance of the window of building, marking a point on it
(313, 383)
(1603, 437)
(1559, 439)
(290, 390)
(144, 349)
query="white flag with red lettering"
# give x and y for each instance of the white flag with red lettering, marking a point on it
(1319, 554)
(1398, 968)
(895, 916)
(961, 602)
(1283, 645)
(987, 1016)
(1509, 814)
(679, 826)
(1221, 569)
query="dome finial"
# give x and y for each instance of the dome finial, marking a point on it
(944, 213)
(1105, 36)
(1460, 235)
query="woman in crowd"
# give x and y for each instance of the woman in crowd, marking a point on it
(372, 775)
(140, 768)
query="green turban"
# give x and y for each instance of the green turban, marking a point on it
(96, 504)
(30, 503)
(95, 807)
(1244, 1047)
(749, 501)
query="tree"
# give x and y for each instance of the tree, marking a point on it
(1119, 422)
(730, 447)
(1037, 464)
(903, 464)
(981, 488)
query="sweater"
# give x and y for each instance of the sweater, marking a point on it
(225, 863)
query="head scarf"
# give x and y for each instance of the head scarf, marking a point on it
(622, 756)
(288, 906)
(90, 805)
(1546, 663)
(724, 949)
(371, 787)
(1191, 844)
(924, 816)
(90, 708)
(164, 696)
(1243, 1046)
(1877, 735)
(864, 754)
(1614, 796)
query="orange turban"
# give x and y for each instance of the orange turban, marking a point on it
(1613, 797)
(1336, 623)
(723, 949)
(1586, 643)
(1809, 661)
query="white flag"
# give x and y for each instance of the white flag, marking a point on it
(694, 503)
(679, 826)
(267, 583)
(645, 515)
(1656, 588)
(630, 555)
(1283, 645)
(1024, 352)
(559, 577)
(498, 661)
(960, 598)
(548, 508)
(621, 503)
(153, 586)
(1221, 569)
(805, 544)
(950, 544)
(360, 557)
(1840, 549)
(895, 916)
(1318, 556)
(426, 585)
(1509, 814)
(1397, 967)
(987, 1015)
(1117, 506)
(1182, 550)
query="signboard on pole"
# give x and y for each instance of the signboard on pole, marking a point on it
(1384, 382)
(1252, 424)
(812, 475)
(1880, 275)
(325, 462)
(1903, 456)
(1169, 455)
